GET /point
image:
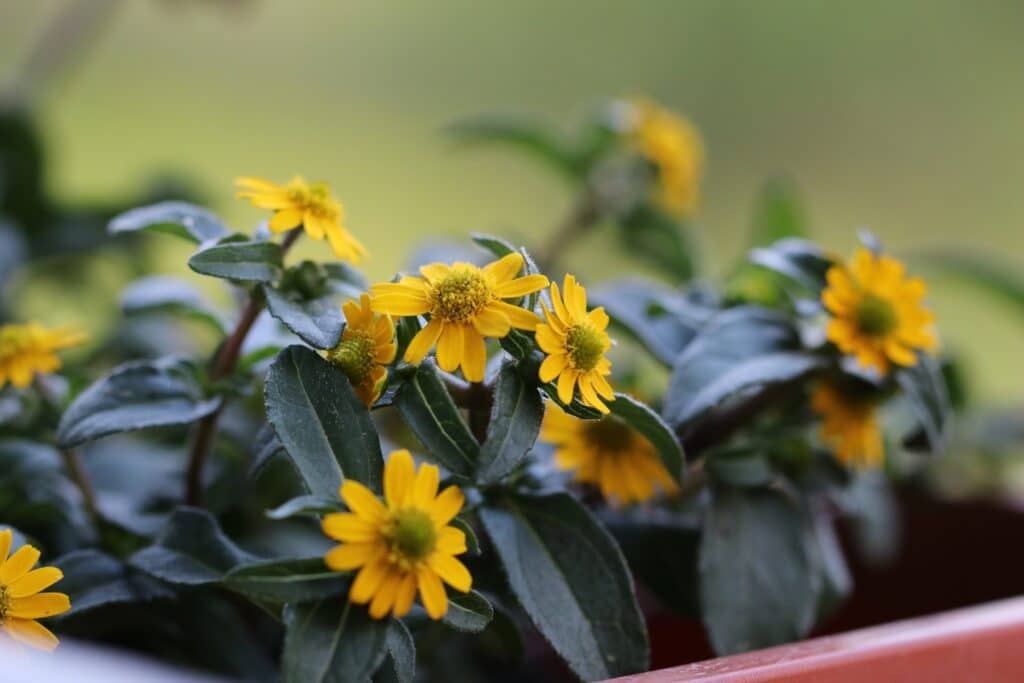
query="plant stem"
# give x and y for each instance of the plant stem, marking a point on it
(79, 475)
(223, 364)
(479, 399)
(583, 216)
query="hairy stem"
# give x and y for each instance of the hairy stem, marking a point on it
(583, 216)
(223, 363)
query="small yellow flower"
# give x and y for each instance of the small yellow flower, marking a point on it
(465, 306)
(401, 545)
(576, 343)
(367, 346)
(674, 146)
(607, 453)
(849, 426)
(21, 601)
(878, 313)
(26, 350)
(310, 205)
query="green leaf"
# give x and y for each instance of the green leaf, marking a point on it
(243, 261)
(191, 551)
(322, 424)
(400, 665)
(430, 413)
(757, 588)
(185, 220)
(332, 641)
(572, 580)
(307, 505)
(319, 322)
(778, 214)
(512, 431)
(741, 467)
(93, 579)
(663, 557)
(924, 388)
(531, 137)
(472, 543)
(289, 580)
(741, 349)
(801, 261)
(37, 495)
(468, 612)
(644, 420)
(662, 240)
(826, 556)
(659, 317)
(169, 295)
(135, 396)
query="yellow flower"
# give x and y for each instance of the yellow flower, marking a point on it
(607, 453)
(21, 601)
(849, 426)
(465, 305)
(26, 350)
(367, 346)
(878, 313)
(310, 205)
(674, 146)
(402, 544)
(576, 342)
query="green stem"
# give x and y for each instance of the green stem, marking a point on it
(582, 218)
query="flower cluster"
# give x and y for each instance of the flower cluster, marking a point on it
(673, 145)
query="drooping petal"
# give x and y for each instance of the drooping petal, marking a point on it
(30, 633)
(368, 580)
(432, 592)
(451, 571)
(315, 226)
(384, 598)
(405, 595)
(566, 385)
(450, 347)
(474, 356)
(285, 220)
(424, 340)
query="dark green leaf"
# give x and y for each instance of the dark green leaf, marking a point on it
(136, 396)
(826, 555)
(472, 543)
(512, 431)
(303, 580)
(185, 220)
(306, 505)
(245, 261)
(663, 557)
(657, 316)
(318, 322)
(322, 424)
(191, 550)
(740, 350)
(799, 260)
(93, 579)
(778, 214)
(159, 294)
(37, 496)
(924, 388)
(430, 413)
(400, 665)
(756, 584)
(332, 641)
(468, 612)
(343, 273)
(741, 467)
(531, 137)
(570, 577)
(646, 421)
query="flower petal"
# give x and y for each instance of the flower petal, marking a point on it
(424, 488)
(432, 592)
(31, 633)
(451, 571)
(474, 355)
(451, 540)
(435, 271)
(35, 581)
(447, 505)
(424, 340)
(450, 347)
(349, 527)
(39, 605)
(285, 220)
(553, 366)
(521, 286)
(18, 564)
(384, 598)
(505, 268)
(405, 595)
(6, 538)
(520, 318)
(398, 478)
(361, 501)
(491, 322)
(566, 385)
(351, 556)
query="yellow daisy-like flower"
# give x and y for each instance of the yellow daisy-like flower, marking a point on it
(401, 545)
(607, 453)
(849, 426)
(367, 346)
(465, 304)
(21, 599)
(672, 144)
(310, 205)
(576, 343)
(878, 313)
(26, 350)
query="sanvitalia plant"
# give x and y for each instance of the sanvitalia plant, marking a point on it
(247, 503)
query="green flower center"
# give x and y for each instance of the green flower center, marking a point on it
(609, 435)
(876, 316)
(460, 296)
(354, 356)
(585, 346)
(412, 535)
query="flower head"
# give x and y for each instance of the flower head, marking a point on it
(607, 453)
(26, 350)
(849, 425)
(310, 205)
(673, 145)
(465, 304)
(576, 343)
(367, 346)
(878, 313)
(402, 544)
(21, 599)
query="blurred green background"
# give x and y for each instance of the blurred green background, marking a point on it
(902, 117)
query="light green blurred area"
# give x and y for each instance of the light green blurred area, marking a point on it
(905, 117)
